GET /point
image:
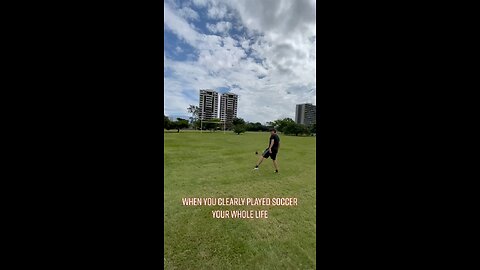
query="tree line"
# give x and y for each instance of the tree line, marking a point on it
(179, 124)
(286, 125)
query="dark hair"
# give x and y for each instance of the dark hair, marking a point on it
(274, 130)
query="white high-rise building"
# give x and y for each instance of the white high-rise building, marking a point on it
(306, 114)
(208, 104)
(228, 107)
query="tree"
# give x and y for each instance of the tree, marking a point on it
(238, 121)
(239, 128)
(166, 122)
(239, 125)
(256, 127)
(290, 128)
(180, 124)
(212, 124)
(294, 128)
(281, 124)
(196, 124)
(194, 110)
(172, 125)
(304, 130)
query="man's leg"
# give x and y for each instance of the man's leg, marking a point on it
(274, 159)
(259, 161)
(264, 156)
(275, 165)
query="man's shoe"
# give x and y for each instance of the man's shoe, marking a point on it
(256, 168)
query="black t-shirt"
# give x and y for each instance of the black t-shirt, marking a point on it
(276, 142)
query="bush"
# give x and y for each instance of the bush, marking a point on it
(239, 129)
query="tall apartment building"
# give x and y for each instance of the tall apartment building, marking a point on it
(208, 104)
(306, 114)
(228, 107)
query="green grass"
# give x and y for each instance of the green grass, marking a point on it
(220, 165)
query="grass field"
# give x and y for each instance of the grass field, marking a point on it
(220, 165)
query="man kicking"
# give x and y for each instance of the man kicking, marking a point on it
(272, 150)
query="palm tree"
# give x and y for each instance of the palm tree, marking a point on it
(194, 110)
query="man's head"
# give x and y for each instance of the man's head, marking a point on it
(273, 131)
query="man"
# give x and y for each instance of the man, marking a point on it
(272, 150)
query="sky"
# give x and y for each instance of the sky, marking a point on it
(262, 50)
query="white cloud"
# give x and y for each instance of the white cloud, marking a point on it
(200, 3)
(217, 11)
(271, 68)
(188, 13)
(220, 27)
(276, 16)
(178, 25)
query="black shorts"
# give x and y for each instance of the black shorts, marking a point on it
(272, 155)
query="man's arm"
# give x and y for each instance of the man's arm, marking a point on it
(271, 145)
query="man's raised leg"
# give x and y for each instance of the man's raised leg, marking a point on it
(259, 162)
